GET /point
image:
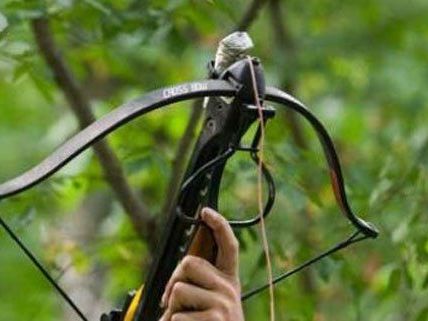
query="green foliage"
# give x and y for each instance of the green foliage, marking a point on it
(3, 23)
(360, 66)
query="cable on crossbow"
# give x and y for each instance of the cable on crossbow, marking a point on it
(220, 160)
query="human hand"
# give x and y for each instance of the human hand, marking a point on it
(199, 290)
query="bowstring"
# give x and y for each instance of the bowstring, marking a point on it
(339, 246)
(42, 269)
(260, 191)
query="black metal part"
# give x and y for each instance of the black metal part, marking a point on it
(116, 314)
(221, 159)
(240, 72)
(113, 315)
(218, 161)
(225, 124)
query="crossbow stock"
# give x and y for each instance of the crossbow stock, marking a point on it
(230, 110)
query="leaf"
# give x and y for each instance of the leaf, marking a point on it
(425, 282)
(400, 233)
(380, 190)
(20, 71)
(3, 23)
(99, 6)
(29, 9)
(327, 267)
(421, 250)
(422, 315)
(81, 261)
(394, 280)
(18, 49)
(408, 277)
(42, 85)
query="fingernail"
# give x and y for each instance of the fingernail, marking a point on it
(162, 303)
(208, 212)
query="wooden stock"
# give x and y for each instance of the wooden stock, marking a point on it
(203, 244)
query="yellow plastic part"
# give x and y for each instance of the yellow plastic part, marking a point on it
(130, 313)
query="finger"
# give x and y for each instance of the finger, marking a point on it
(195, 270)
(209, 315)
(228, 246)
(187, 297)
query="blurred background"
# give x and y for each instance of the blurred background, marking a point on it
(361, 66)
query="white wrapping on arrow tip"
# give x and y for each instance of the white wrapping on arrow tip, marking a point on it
(231, 49)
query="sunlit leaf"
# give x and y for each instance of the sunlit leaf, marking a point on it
(99, 6)
(3, 23)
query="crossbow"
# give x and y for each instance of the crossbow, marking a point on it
(233, 91)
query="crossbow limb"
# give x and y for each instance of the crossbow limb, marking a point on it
(230, 112)
(115, 119)
(337, 181)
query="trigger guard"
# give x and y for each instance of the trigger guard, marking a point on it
(217, 161)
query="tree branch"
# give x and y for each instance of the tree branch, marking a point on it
(250, 15)
(286, 44)
(139, 215)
